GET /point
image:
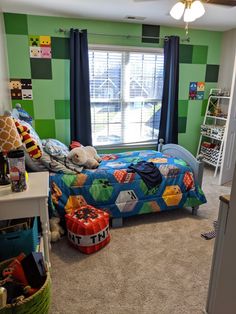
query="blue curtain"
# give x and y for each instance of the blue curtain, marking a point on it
(169, 110)
(80, 118)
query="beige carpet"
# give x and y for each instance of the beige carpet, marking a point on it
(155, 264)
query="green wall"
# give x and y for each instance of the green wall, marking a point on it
(199, 61)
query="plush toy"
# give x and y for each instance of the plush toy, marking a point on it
(85, 156)
(56, 230)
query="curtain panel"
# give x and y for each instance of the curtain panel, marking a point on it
(169, 112)
(80, 117)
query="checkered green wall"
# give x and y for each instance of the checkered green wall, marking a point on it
(194, 66)
(199, 61)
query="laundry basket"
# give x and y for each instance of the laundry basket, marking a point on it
(38, 303)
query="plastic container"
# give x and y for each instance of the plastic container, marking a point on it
(16, 160)
(13, 243)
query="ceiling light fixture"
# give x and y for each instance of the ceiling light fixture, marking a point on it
(189, 9)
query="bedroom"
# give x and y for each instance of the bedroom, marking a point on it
(200, 61)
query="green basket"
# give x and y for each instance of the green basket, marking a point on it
(38, 303)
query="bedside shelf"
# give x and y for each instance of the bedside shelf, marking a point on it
(215, 117)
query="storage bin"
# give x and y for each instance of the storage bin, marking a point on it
(211, 154)
(213, 131)
(13, 243)
(38, 303)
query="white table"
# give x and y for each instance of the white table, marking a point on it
(30, 203)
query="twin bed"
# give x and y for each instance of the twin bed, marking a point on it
(113, 188)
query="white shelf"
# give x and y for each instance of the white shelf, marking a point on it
(212, 126)
(220, 97)
(215, 117)
(209, 162)
(211, 137)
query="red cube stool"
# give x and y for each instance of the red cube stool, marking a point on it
(88, 228)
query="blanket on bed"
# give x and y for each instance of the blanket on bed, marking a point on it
(55, 158)
(112, 188)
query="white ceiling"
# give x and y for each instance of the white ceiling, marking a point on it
(217, 17)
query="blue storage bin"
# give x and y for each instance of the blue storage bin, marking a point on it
(14, 243)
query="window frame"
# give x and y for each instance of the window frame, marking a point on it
(115, 48)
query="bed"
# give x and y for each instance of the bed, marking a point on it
(121, 193)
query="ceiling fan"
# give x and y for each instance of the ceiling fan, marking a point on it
(193, 9)
(219, 2)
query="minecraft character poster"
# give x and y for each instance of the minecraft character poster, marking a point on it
(196, 90)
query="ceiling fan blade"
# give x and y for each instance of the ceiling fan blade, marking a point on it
(223, 2)
(144, 0)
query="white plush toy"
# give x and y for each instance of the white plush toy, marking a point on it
(56, 230)
(85, 156)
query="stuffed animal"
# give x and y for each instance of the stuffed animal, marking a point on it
(85, 156)
(56, 230)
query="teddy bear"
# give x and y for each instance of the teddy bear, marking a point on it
(56, 230)
(85, 156)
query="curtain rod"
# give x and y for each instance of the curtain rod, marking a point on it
(187, 39)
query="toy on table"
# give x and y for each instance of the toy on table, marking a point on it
(16, 160)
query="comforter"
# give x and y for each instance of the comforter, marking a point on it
(112, 188)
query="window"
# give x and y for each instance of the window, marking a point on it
(125, 91)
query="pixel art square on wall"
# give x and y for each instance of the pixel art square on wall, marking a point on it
(196, 90)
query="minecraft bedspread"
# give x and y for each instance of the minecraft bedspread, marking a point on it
(112, 188)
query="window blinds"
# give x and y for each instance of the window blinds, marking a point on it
(125, 91)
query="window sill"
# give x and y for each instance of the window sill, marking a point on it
(126, 146)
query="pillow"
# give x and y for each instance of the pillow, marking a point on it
(21, 114)
(34, 164)
(31, 144)
(55, 148)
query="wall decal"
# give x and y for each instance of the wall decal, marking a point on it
(27, 94)
(16, 94)
(45, 41)
(21, 89)
(33, 41)
(15, 84)
(26, 84)
(35, 52)
(196, 90)
(46, 52)
(40, 47)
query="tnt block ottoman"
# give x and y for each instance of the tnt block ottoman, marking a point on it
(88, 228)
